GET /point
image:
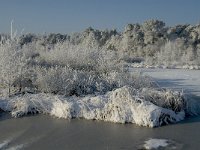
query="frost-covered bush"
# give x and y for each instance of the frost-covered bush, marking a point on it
(165, 98)
(79, 57)
(13, 65)
(67, 81)
(66, 54)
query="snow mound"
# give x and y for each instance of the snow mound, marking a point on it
(123, 105)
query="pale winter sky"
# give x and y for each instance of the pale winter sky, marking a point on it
(66, 16)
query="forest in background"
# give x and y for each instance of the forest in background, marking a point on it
(152, 41)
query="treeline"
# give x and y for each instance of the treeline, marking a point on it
(152, 40)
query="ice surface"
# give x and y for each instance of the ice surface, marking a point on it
(177, 79)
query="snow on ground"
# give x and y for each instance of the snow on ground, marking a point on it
(123, 105)
(157, 144)
(177, 79)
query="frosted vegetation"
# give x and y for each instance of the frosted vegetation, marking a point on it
(85, 75)
(152, 42)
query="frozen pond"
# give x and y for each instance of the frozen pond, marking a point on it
(45, 132)
(178, 79)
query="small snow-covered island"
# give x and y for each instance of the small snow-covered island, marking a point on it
(92, 74)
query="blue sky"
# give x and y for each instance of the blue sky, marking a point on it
(66, 16)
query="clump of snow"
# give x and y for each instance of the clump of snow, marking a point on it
(122, 105)
(155, 143)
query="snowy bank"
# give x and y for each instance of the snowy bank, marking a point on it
(123, 105)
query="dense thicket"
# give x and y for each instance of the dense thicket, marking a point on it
(62, 68)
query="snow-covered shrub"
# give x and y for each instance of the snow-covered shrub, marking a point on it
(80, 58)
(12, 64)
(67, 81)
(108, 61)
(66, 54)
(63, 80)
(28, 104)
(165, 98)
